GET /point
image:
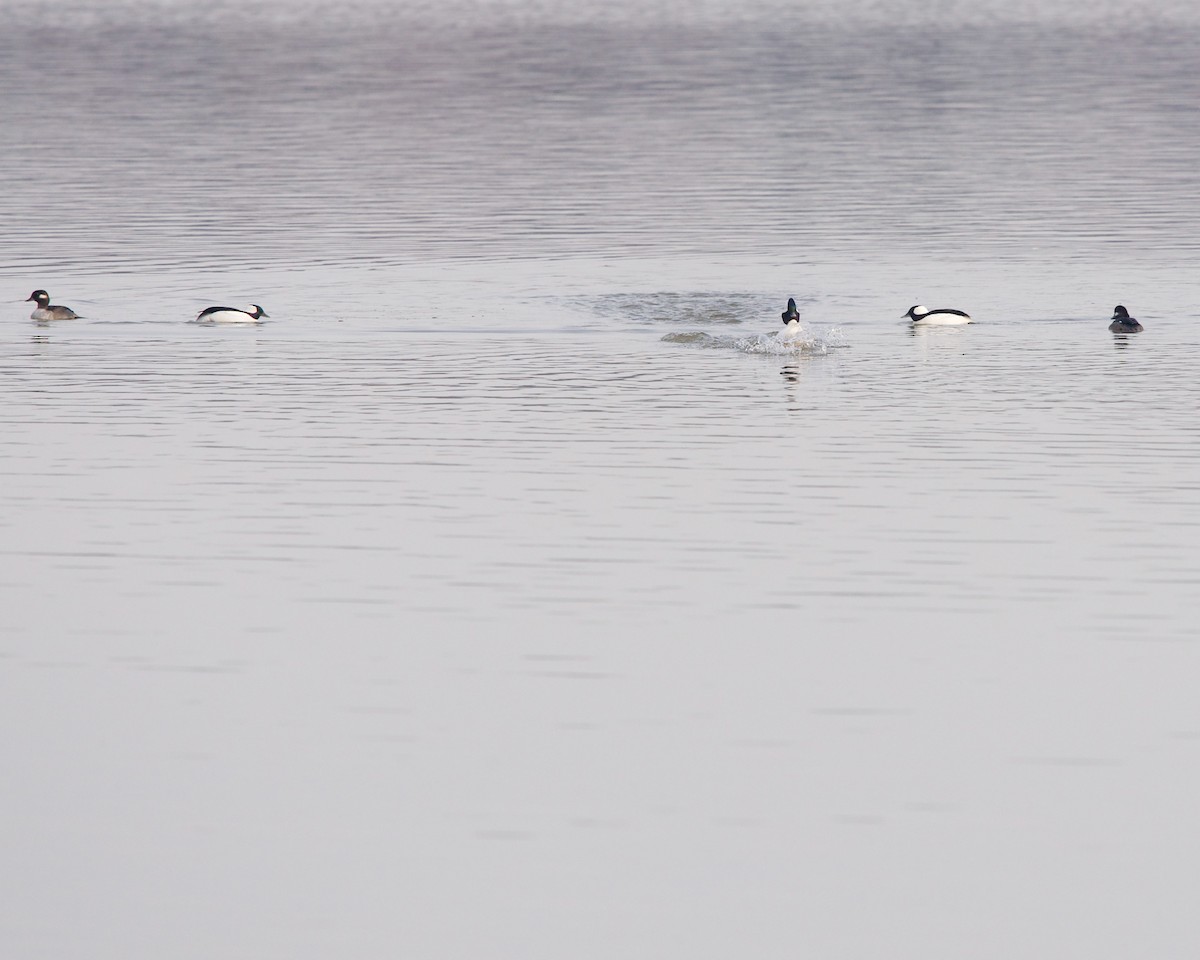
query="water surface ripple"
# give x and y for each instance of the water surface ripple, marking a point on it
(513, 593)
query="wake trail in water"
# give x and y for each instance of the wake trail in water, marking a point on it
(783, 343)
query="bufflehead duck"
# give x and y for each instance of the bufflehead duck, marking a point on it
(45, 310)
(1122, 322)
(791, 314)
(230, 315)
(942, 316)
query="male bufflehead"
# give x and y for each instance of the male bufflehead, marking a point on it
(943, 316)
(791, 314)
(1122, 322)
(45, 310)
(230, 315)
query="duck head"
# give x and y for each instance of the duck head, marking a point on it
(791, 313)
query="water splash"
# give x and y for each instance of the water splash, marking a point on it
(781, 343)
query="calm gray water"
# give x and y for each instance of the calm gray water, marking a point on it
(514, 592)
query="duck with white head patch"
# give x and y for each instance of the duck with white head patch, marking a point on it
(231, 315)
(45, 310)
(943, 316)
(1122, 322)
(791, 316)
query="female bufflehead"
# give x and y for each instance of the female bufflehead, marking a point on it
(942, 316)
(230, 315)
(1122, 322)
(45, 310)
